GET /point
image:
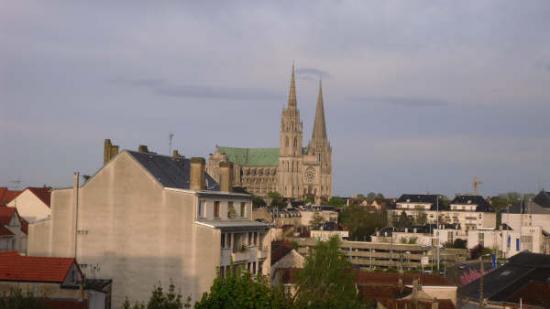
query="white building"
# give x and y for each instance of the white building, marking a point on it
(469, 211)
(33, 204)
(146, 219)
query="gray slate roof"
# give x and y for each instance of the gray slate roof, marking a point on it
(520, 270)
(170, 172)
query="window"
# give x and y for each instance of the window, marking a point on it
(254, 268)
(250, 238)
(509, 242)
(223, 240)
(230, 210)
(216, 209)
(243, 209)
(517, 244)
(255, 238)
(228, 240)
(200, 211)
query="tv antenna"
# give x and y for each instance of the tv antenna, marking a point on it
(170, 138)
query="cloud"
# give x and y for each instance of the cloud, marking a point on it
(402, 101)
(162, 87)
(312, 74)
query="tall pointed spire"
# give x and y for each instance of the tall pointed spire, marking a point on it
(319, 126)
(292, 102)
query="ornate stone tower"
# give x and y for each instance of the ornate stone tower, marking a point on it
(318, 175)
(289, 170)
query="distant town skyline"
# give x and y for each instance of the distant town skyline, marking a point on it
(419, 96)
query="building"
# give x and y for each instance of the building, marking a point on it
(469, 211)
(13, 236)
(291, 169)
(509, 242)
(33, 204)
(384, 255)
(7, 195)
(146, 219)
(405, 290)
(536, 212)
(520, 283)
(58, 281)
(425, 235)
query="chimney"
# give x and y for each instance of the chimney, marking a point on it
(109, 151)
(143, 148)
(176, 155)
(197, 174)
(226, 176)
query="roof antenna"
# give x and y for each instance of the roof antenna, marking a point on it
(170, 138)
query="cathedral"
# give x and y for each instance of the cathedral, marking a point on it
(291, 169)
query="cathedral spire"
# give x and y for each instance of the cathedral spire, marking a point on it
(319, 126)
(292, 102)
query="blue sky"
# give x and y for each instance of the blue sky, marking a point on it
(420, 96)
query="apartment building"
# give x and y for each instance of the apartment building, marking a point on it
(469, 211)
(146, 219)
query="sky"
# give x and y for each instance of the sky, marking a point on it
(420, 96)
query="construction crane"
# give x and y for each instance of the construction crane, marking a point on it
(475, 185)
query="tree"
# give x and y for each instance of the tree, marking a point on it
(242, 291)
(337, 201)
(362, 222)
(421, 217)
(277, 200)
(327, 280)
(404, 220)
(316, 221)
(159, 300)
(257, 201)
(16, 299)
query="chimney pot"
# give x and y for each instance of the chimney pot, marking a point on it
(143, 148)
(197, 182)
(226, 176)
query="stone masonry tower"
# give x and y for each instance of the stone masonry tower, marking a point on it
(319, 149)
(289, 170)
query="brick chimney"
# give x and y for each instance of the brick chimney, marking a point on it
(109, 151)
(226, 176)
(143, 148)
(197, 174)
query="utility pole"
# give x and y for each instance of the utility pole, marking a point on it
(481, 270)
(437, 229)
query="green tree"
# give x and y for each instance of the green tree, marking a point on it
(242, 291)
(404, 220)
(337, 201)
(257, 201)
(277, 200)
(16, 299)
(421, 217)
(327, 280)
(362, 222)
(159, 300)
(316, 221)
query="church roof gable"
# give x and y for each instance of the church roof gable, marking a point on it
(251, 156)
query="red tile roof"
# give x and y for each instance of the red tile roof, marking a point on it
(43, 193)
(6, 213)
(7, 195)
(5, 232)
(15, 267)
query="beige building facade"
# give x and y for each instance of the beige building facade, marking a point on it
(146, 219)
(291, 169)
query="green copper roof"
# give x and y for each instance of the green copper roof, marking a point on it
(251, 156)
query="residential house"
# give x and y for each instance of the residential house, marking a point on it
(12, 230)
(146, 219)
(33, 204)
(469, 211)
(58, 281)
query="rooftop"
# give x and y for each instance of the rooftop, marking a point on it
(170, 172)
(15, 267)
(251, 156)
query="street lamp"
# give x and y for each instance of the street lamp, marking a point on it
(481, 270)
